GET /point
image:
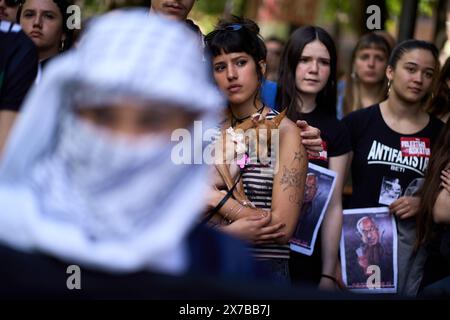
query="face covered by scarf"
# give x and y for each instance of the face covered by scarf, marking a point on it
(98, 199)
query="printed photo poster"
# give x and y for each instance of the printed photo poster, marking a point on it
(319, 187)
(391, 190)
(369, 250)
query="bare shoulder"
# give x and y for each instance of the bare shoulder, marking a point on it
(289, 129)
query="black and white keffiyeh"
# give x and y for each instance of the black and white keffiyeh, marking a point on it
(80, 195)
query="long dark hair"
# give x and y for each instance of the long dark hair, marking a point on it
(288, 93)
(412, 44)
(440, 102)
(352, 100)
(429, 192)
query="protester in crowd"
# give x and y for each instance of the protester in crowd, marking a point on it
(45, 22)
(275, 48)
(93, 184)
(276, 187)
(394, 140)
(179, 10)
(366, 84)
(433, 219)
(269, 87)
(308, 91)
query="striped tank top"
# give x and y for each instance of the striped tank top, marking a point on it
(258, 184)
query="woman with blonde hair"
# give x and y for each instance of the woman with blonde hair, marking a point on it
(366, 84)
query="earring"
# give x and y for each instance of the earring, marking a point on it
(353, 75)
(389, 86)
(61, 46)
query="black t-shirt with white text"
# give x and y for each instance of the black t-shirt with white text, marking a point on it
(386, 164)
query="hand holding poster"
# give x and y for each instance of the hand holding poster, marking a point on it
(318, 190)
(369, 250)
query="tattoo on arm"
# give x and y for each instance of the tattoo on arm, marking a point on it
(298, 156)
(296, 199)
(290, 178)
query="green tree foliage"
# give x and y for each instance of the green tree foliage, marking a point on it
(217, 7)
(425, 7)
(210, 7)
(93, 7)
(334, 7)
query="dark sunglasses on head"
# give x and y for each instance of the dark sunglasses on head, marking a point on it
(12, 3)
(231, 27)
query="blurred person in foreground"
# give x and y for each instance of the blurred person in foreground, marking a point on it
(92, 183)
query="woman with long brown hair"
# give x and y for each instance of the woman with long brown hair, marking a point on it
(440, 102)
(433, 217)
(366, 84)
(308, 91)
